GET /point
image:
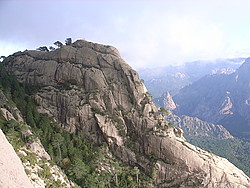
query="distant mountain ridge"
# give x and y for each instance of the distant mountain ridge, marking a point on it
(173, 78)
(221, 99)
(193, 126)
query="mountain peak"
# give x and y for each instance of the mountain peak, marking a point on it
(168, 101)
(88, 87)
(243, 71)
(106, 49)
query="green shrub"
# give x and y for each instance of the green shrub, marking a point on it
(98, 111)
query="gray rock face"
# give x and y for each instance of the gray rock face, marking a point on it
(89, 87)
(166, 101)
(226, 106)
(12, 173)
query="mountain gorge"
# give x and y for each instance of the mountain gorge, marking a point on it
(92, 93)
(220, 99)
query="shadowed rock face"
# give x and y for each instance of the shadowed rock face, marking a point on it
(12, 173)
(88, 87)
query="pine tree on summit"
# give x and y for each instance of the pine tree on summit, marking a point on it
(68, 41)
(52, 48)
(43, 48)
(58, 44)
(2, 58)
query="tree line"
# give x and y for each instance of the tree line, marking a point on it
(58, 44)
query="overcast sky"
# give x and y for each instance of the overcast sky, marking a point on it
(147, 33)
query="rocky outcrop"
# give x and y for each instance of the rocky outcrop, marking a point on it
(41, 172)
(88, 87)
(193, 126)
(9, 111)
(226, 106)
(227, 70)
(11, 168)
(166, 101)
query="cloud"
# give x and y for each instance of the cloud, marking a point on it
(193, 37)
(169, 39)
(147, 33)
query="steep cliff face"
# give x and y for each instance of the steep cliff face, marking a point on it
(11, 168)
(88, 87)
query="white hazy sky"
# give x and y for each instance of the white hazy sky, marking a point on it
(147, 33)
